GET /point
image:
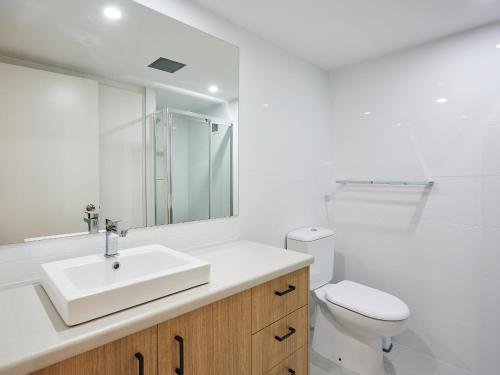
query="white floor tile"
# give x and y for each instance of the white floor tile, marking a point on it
(401, 361)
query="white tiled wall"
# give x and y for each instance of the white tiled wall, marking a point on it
(437, 249)
(283, 145)
(283, 130)
(121, 166)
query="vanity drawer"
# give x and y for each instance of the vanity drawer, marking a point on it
(295, 364)
(276, 342)
(275, 299)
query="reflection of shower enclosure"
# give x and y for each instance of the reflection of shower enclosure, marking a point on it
(196, 152)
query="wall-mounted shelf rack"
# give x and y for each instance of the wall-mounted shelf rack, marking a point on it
(391, 183)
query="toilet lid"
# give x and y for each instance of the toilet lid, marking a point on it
(367, 301)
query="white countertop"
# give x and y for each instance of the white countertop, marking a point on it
(33, 336)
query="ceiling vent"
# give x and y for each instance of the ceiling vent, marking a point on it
(167, 65)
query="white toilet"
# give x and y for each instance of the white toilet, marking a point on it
(350, 319)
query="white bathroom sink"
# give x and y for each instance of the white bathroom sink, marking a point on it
(89, 287)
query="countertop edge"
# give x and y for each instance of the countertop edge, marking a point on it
(126, 327)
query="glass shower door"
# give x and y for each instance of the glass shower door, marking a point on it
(190, 168)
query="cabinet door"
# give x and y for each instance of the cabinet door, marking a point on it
(216, 339)
(185, 343)
(232, 341)
(117, 357)
(127, 355)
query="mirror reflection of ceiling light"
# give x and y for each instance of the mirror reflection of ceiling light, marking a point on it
(441, 100)
(213, 89)
(112, 13)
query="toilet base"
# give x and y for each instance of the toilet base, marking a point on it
(360, 354)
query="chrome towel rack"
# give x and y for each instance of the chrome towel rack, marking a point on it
(391, 183)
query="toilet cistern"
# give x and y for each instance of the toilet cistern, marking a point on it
(112, 235)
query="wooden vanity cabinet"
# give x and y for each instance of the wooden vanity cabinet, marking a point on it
(260, 331)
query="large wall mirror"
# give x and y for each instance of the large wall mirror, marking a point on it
(113, 112)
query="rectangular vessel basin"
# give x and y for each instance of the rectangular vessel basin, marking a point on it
(89, 287)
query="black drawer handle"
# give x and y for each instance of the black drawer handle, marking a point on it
(140, 358)
(180, 370)
(291, 331)
(291, 371)
(291, 288)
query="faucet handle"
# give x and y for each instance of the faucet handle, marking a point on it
(111, 224)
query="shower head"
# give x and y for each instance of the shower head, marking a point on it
(166, 65)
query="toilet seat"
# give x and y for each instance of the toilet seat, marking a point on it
(366, 301)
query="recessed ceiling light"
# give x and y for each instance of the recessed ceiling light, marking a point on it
(498, 46)
(265, 105)
(441, 100)
(213, 89)
(112, 13)
(367, 113)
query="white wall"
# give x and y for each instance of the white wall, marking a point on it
(122, 190)
(227, 110)
(438, 250)
(150, 107)
(283, 148)
(49, 152)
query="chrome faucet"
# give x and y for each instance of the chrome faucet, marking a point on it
(112, 235)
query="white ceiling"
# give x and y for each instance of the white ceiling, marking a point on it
(335, 33)
(74, 35)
